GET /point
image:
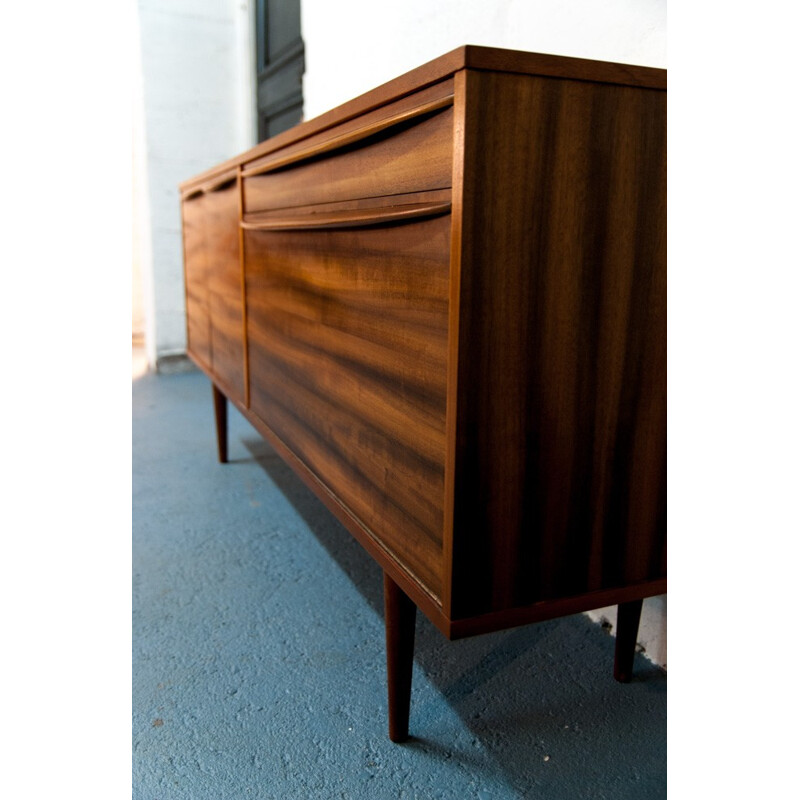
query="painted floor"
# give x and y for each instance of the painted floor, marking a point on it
(258, 651)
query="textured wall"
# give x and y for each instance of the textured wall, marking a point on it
(195, 110)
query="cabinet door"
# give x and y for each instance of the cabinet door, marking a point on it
(198, 322)
(347, 337)
(225, 302)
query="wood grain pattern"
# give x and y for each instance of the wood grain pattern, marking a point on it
(560, 450)
(377, 204)
(553, 360)
(213, 281)
(198, 320)
(408, 582)
(347, 218)
(221, 219)
(347, 338)
(350, 136)
(548, 609)
(442, 68)
(246, 363)
(312, 134)
(450, 321)
(416, 156)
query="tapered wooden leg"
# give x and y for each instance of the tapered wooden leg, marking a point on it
(628, 615)
(221, 418)
(400, 619)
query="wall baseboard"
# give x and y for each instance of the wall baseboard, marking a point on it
(174, 363)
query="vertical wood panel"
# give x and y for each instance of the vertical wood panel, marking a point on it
(240, 216)
(347, 337)
(561, 418)
(198, 330)
(221, 220)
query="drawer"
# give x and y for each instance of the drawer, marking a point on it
(401, 148)
(347, 339)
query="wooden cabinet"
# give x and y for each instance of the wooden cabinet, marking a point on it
(444, 304)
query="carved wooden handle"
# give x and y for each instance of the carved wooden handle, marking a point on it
(214, 185)
(352, 218)
(344, 139)
(220, 182)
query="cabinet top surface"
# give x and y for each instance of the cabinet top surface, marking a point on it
(465, 57)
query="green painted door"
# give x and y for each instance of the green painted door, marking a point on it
(280, 63)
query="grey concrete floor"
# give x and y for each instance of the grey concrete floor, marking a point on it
(258, 651)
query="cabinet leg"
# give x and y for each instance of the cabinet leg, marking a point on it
(221, 419)
(400, 619)
(627, 628)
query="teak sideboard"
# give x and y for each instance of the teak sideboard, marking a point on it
(444, 305)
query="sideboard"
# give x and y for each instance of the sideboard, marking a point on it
(444, 305)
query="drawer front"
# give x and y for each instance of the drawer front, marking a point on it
(198, 325)
(347, 337)
(410, 150)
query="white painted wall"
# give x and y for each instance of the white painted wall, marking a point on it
(194, 108)
(354, 45)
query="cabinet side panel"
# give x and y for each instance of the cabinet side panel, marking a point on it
(560, 477)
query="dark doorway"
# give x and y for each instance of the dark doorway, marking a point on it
(280, 63)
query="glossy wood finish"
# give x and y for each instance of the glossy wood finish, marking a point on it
(346, 218)
(225, 287)
(398, 117)
(347, 334)
(198, 320)
(213, 279)
(448, 315)
(439, 71)
(400, 615)
(560, 447)
(412, 156)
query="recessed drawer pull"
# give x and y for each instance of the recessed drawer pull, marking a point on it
(220, 182)
(349, 138)
(214, 185)
(352, 218)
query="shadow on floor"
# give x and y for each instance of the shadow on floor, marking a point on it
(543, 691)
